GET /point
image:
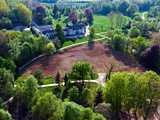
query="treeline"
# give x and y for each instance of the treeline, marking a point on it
(127, 8)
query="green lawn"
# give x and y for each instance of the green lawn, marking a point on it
(71, 42)
(101, 23)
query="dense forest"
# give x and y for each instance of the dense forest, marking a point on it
(37, 36)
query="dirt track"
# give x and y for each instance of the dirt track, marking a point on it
(100, 56)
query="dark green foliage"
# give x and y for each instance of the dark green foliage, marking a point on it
(5, 23)
(123, 6)
(8, 64)
(119, 42)
(151, 58)
(6, 83)
(60, 34)
(89, 16)
(40, 14)
(134, 32)
(132, 9)
(73, 94)
(26, 87)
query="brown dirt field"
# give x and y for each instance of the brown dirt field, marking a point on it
(100, 56)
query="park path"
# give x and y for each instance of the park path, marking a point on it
(100, 80)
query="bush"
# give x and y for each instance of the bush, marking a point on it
(134, 32)
(82, 71)
(150, 58)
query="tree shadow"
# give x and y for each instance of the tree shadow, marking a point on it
(91, 45)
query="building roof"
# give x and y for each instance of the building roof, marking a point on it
(46, 28)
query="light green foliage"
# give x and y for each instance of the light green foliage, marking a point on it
(4, 115)
(24, 46)
(50, 48)
(87, 97)
(4, 9)
(117, 20)
(101, 23)
(130, 90)
(82, 71)
(24, 15)
(47, 106)
(74, 111)
(139, 44)
(6, 83)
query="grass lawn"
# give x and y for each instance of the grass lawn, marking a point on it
(71, 42)
(101, 23)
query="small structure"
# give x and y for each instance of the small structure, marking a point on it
(75, 31)
(45, 30)
(78, 30)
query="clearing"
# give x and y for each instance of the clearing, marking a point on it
(100, 56)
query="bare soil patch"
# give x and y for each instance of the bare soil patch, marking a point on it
(100, 56)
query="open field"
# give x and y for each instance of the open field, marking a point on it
(100, 56)
(101, 23)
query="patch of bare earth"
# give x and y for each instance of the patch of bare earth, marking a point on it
(100, 56)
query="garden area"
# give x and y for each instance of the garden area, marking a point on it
(100, 56)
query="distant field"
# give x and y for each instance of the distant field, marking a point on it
(101, 23)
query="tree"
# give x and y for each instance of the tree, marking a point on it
(123, 6)
(119, 42)
(60, 34)
(91, 38)
(82, 71)
(151, 58)
(58, 77)
(5, 115)
(47, 106)
(74, 111)
(73, 17)
(4, 9)
(89, 16)
(134, 32)
(7, 64)
(92, 34)
(132, 9)
(55, 11)
(106, 8)
(50, 48)
(26, 86)
(5, 23)
(6, 83)
(40, 14)
(87, 97)
(99, 96)
(66, 80)
(73, 94)
(133, 91)
(24, 15)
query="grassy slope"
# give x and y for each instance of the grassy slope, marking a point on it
(101, 23)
